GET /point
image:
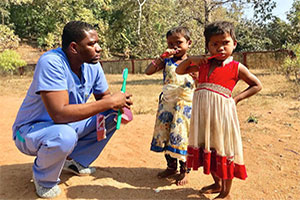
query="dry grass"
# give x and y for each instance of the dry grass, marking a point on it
(146, 89)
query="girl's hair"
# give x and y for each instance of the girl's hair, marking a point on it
(218, 28)
(74, 31)
(184, 31)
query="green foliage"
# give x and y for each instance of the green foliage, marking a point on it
(8, 40)
(291, 65)
(44, 20)
(117, 21)
(294, 18)
(251, 37)
(10, 61)
(279, 33)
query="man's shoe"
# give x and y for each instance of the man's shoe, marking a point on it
(78, 169)
(44, 192)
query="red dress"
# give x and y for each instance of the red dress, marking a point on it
(215, 140)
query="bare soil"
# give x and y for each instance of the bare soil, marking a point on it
(127, 169)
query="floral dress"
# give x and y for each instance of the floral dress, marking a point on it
(174, 112)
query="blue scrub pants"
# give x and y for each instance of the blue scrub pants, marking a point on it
(52, 143)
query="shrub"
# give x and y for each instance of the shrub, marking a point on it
(51, 40)
(291, 65)
(8, 40)
(10, 61)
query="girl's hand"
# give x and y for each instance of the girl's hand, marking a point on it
(194, 75)
(169, 53)
(235, 100)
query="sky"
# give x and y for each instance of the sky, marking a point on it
(282, 7)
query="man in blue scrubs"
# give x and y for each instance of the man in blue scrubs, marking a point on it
(55, 123)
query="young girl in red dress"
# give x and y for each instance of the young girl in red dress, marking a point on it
(215, 140)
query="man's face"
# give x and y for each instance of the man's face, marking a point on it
(88, 49)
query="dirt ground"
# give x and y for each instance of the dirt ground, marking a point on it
(127, 169)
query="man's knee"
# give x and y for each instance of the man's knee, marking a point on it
(66, 139)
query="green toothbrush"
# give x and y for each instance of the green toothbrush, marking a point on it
(123, 89)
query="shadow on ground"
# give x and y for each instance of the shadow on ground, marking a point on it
(124, 183)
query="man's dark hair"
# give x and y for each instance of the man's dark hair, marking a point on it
(180, 30)
(218, 28)
(74, 31)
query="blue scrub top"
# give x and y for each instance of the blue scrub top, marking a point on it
(53, 73)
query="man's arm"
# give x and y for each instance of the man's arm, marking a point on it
(102, 95)
(59, 109)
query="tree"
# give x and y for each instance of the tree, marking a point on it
(206, 11)
(251, 36)
(4, 7)
(140, 15)
(279, 32)
(294, 18)
(43, 21)
(262, 8)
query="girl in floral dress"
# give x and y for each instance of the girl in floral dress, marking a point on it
(175, 105)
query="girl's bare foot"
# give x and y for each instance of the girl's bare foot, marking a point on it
(226, 186)
(182, 179)
(222, 196)
(166, 173)
(213, 188)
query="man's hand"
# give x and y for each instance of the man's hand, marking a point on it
(121, 100)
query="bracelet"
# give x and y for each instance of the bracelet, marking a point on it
(154, 63)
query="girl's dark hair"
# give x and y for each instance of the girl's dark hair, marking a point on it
(184, 31)
(219, 28)
(74, 31)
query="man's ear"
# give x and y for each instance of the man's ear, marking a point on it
(190, 42)
(73, 47)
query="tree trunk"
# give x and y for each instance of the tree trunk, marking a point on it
(207, 4)
(140, 16)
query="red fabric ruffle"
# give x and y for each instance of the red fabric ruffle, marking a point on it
(211, 162)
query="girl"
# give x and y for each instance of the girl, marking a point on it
(215, 141)
(175, 104)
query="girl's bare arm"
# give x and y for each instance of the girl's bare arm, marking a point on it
(191, 64)
(155, 66)
(254, 84)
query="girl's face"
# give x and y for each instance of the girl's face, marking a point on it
(221, 44)
(179, 43)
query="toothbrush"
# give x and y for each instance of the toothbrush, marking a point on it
(123, 89)
(214, 56)
(209, 58)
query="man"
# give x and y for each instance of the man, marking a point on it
(54, 122)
